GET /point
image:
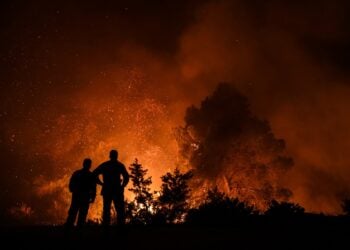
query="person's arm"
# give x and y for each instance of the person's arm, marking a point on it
(72, 183)
(97, 173)
(125, 175)
(93, 189)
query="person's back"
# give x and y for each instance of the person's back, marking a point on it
(111, 172)
(115, 178)
(82, 185)
(82, 182)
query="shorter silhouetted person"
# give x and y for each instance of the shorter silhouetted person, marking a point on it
(115, 178)
(82, 185)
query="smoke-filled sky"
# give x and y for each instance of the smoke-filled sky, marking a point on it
(79, 78)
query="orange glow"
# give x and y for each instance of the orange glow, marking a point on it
(135, 101)
(126, 119)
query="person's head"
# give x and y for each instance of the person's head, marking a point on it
(87, 163)
(113, 155)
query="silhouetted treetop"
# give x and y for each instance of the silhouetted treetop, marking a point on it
(174, 195)
(226, 143)
(139, 210)
(140, 184)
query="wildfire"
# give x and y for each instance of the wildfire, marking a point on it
(129, 120)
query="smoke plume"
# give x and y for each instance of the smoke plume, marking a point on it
(82, 78)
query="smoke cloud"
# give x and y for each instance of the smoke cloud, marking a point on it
(84, 78)
(289, 59)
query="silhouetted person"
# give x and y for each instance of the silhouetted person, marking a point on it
(82, 185)
(112, 187)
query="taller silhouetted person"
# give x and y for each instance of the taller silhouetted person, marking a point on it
(115, 178)
(82, 185)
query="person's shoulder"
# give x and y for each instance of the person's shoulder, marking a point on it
(103, 164)
(77, 172)
(120, 164)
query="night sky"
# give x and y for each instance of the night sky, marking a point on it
(80, 78)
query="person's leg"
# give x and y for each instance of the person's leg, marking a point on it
(122, 230)
(83, 211)
(120, 208)
(73, 211)
(106, 218)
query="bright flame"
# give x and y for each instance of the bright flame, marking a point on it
(121, 117)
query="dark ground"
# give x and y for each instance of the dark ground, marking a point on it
(261, 233)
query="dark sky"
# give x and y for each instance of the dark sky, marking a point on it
(61, 61)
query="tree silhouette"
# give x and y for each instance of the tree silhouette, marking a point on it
(284, 209)
(223, 140)
(218, 208)
(139, 210)
(173, 197)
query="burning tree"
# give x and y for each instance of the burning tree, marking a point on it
(228, 146)
(174, 195)
(140, 208)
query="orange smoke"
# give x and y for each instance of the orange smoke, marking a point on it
(270, 52)
(134, 103)
(106, 116)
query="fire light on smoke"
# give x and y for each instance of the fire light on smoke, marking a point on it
(125, 117)
(231, 148)
(21, 211)
(74, 91)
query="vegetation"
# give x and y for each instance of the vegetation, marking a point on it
(139, 210)
(173, 200)
(218, 208)
(170, 205)
(284, 209)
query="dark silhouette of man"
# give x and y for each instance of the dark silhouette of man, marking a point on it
(115, 178)
(82, 185)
